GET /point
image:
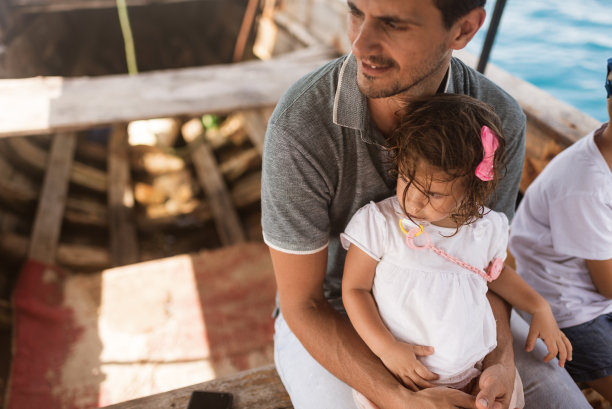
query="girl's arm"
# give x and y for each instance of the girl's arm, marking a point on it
(511, 287)
(398, 357)
(601, 274)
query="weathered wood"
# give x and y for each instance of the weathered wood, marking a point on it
(248, 190)
(74, 256)
(231, 130)
(44, 6)
(325, 21)
(259, 388)
(153, 160)
(33, 158)
(86, 212)
(238, 164)
(123, 238)
(6, 315)
(47, 104)
(256, 123)
(225, 215)
(48, 222)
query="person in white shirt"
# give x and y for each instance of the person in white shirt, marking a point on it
(561, 238)
(419, 263)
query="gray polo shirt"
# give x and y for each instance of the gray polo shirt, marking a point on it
(324, 159)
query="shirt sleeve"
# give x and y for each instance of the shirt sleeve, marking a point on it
(508, 188)
(501, 232)
(581, 226)
(295, 195)
(367, 230)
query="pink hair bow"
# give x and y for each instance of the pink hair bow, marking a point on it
(484, 170)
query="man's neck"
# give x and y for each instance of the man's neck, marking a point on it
(384, 111)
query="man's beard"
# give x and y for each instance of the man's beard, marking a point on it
(396, 87)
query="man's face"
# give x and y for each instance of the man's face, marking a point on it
(401, 46)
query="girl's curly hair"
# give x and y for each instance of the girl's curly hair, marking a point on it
(444, 132)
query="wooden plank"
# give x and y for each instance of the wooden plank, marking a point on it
(325, 21)
(48, 222)
(123, 238)
(223, 210)
(31, 156)
(47, 104)
(44, 6)
(259, 388)
(75, 256)
(256, 123)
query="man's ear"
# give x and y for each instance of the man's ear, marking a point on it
(466, 27)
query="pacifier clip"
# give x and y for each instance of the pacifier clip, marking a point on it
(493, 270)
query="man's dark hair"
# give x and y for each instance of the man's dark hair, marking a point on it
(452, 10)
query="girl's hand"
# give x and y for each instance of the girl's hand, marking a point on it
(401, 359)
(543, 325)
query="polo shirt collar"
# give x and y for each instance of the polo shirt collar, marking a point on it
(350, 105)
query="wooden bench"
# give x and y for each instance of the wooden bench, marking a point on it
(258, 388)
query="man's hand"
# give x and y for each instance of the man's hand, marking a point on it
(442, 398)
(438, 397)
(494, 388)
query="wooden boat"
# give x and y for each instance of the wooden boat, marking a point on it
(78, 195)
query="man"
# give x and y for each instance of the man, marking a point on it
(324, 158)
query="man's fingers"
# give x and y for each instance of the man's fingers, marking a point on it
(464, 400)
(493, 392)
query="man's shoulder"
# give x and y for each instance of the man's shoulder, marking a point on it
(467, 80)
(313, 92)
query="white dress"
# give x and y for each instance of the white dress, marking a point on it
(423, 298)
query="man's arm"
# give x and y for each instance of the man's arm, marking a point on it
(496, 383)
(332, 341)
(601, 274)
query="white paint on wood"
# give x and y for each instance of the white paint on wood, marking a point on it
(123, 237)
(48, 222)
(223, 210)
(47, 104)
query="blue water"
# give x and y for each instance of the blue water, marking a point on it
(559, 46)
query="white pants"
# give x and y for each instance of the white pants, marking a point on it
(310, 386)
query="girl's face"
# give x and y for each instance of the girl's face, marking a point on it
(430, 196)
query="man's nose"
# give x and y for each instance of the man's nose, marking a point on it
(366, 41)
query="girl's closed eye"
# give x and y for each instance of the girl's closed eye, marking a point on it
(436, 195)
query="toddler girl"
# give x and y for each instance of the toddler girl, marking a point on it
(419, 264)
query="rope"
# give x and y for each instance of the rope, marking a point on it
(128, 40)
